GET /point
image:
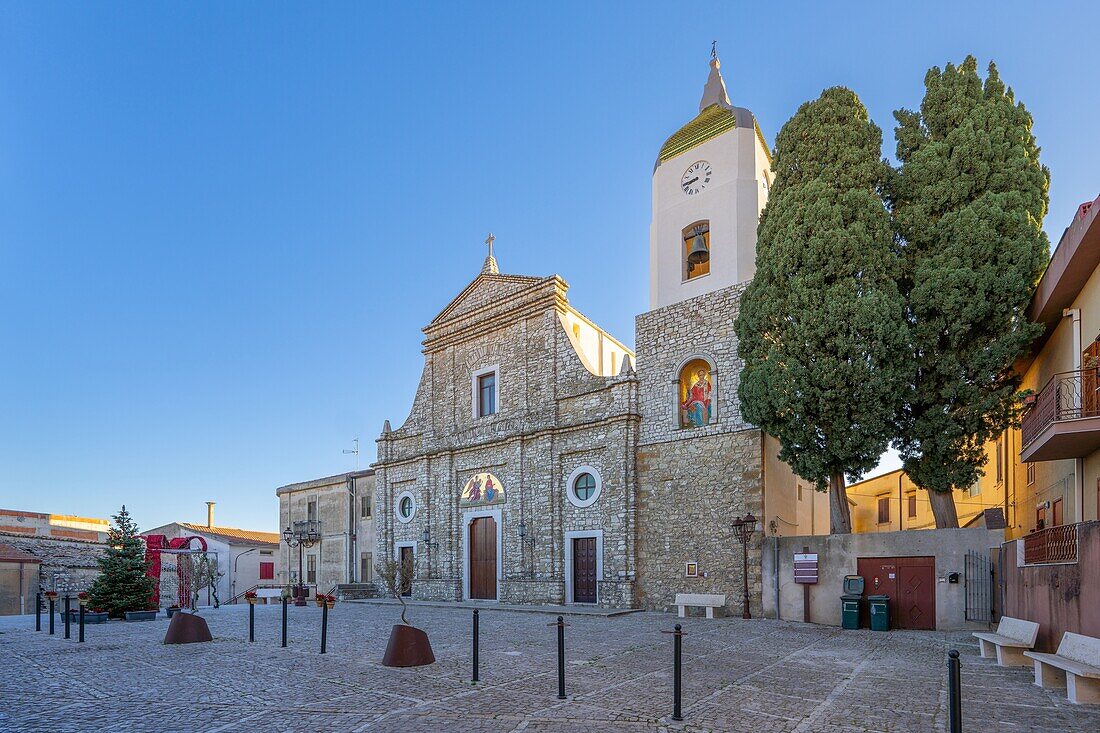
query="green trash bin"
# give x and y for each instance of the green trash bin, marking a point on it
(880, 612)
(849, 601)
(849, 611)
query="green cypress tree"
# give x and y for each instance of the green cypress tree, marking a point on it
(821, 328)
(968, 203)
(122, 584)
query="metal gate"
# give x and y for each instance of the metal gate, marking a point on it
(979, 587)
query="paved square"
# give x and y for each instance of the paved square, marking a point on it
(738, 676)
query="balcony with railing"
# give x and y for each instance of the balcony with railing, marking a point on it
(1064, 418)
(1053, 545)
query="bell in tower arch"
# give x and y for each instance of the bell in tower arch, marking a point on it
(699, 253)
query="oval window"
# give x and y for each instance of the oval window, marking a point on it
(406, 507)
(584, 487)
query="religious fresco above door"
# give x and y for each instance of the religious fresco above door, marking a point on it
(696, 394)
(482, 489)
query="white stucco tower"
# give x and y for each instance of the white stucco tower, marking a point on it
(710, 184)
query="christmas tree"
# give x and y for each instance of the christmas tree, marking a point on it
(122, 584)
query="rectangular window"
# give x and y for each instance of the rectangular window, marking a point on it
(364, 507)
(311, 569)
(267, 552)
(267, 571)
(366, 568)
(800, 492)
(884, 510)
(976, 488)
(311, 509)
(912, 505)
(1000, 461)
(1040, 518)
(1030, 474)
(487, 394)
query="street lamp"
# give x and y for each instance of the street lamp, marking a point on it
(306, 533)
(743, 528)
(426, 538)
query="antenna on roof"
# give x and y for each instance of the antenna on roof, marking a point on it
(354, 450)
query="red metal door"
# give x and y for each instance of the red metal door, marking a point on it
(584, 570)
(483, 558)
(916, 606)
(880, 578)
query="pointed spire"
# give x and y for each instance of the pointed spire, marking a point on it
(490, 266)
(715, 90)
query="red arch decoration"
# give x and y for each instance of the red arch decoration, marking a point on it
(154, 543)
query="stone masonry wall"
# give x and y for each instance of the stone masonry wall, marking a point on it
(68, 566)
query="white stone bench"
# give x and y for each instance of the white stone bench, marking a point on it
(709, 601)
(1075, 666)
(1014, 636)
(267, 593)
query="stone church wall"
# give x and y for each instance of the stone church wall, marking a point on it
(693, 481)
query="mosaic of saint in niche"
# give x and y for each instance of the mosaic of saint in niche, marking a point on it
(696, 394)
(482, 489)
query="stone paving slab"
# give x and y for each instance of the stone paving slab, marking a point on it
(738, 676)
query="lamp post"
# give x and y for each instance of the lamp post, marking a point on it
(743, 528)
(305, 533)
(525, 540)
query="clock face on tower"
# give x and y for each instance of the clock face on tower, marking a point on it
(696, 177)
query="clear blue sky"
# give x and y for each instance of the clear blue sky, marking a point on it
(223, 225)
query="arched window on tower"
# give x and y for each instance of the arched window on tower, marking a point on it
(697, 394)
(696, 250)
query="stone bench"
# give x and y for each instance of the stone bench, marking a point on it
(1012, 639)
(1075, 666)
(267, 593)
(709, 601)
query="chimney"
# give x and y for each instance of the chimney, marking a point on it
(209, 514)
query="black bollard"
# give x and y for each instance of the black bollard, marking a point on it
(954, 692)
(67, 617)
(51, 615)
(560, 623)
(324, 626)
(38, 611)
(475, 644)
(252, 622)
(677, 666)
(81, 623)
(284, 621)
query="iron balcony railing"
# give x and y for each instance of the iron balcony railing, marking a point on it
(1067, 396)
(1053, 545)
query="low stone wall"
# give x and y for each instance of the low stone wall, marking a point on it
(1059, 597)
(838, 555)
(68, 566)
(537, 592)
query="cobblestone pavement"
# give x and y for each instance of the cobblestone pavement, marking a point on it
(738, 676)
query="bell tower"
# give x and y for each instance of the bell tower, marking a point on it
(710, 183)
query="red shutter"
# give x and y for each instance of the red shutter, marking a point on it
(267, 571)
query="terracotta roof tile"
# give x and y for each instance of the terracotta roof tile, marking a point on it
(234, 534)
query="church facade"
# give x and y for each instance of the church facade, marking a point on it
(545, 462)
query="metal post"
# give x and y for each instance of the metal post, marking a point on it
(677, 644)
(38, 611)
(475, 644)
(51, 615)
(745, 575)
(252, 622)
(324, 626)
(284, 621)
(561, 658)
(954, 692)
(68, 635)
(81, 623)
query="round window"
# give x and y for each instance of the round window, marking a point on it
(584, 486)
(406, 507)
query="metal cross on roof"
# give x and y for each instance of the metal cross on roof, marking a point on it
(714, 49)
(489, 241)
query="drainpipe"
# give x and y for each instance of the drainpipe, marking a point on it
(901, 515)
(1078, 463)
(775, 570)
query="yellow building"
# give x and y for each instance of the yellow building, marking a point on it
(1055, 455)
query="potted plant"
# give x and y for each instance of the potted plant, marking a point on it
(251, 597)
(330, 601)
(319, 599)
(172, 610)
(408, 645)
(149, 613)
